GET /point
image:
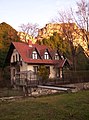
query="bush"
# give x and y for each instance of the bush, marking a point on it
(43, 73)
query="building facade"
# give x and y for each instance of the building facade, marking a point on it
(27, 58)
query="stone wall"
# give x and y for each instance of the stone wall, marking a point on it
(36, 91)
(42, 91)
(78, 86)
(73, 88)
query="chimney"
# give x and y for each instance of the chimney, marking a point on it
(30, 43)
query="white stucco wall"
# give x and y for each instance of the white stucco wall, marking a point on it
(52, 72)
(30, 67)
(61, 72)
(23, 67)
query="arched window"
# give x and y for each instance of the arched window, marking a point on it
(19, 58)
(34, 55)
(56, 56)
(46, 55)
(16, 58)
(13, 58)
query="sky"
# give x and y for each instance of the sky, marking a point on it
(17, 12)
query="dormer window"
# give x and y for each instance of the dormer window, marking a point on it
(62, 57)
(56, 56)
(46, 55)
(34, 55)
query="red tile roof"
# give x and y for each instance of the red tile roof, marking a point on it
(23, 49)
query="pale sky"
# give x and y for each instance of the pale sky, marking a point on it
(17, 12)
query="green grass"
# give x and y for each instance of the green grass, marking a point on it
(6, 92)
(71, 106)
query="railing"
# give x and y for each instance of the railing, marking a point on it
(76, 76)
(23, 82)
(68, 77)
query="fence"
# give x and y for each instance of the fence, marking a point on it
(68, 78)
(76, 76)
(4, 77)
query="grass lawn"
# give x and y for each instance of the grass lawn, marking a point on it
(5, 92)
(71, 106)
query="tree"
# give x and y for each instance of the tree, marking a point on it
(82, 60)
(43, 73)
(81, 18)
(7, 35)
(70, 34)
(29, 29)
(83, 14)
(73, 29)
(56, 42)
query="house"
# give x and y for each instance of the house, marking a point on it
(27, 58)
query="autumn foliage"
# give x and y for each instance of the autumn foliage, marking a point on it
(7, 35)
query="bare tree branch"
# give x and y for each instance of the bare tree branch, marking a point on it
(29, 29)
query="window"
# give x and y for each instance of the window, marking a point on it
(16, 58)
(62, 57)
(19, 58)
(48, 69)
(34, 55)
(56, 56)
(35, 69)
(13, 72)
(46, 55)
(57, 72)
(13, 58)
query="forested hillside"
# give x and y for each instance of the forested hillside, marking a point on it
(7, 35)
(75, 53)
